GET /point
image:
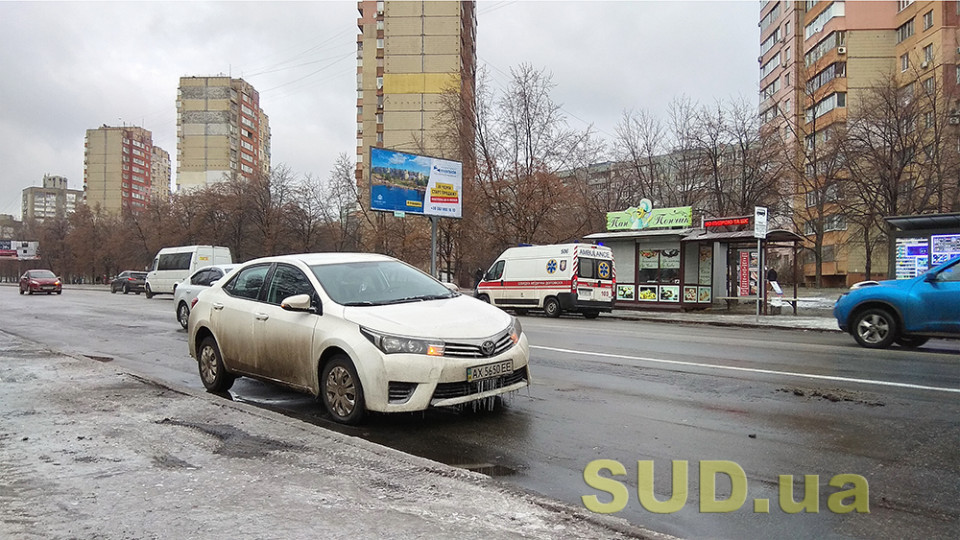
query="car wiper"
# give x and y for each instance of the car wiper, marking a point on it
(361, 303)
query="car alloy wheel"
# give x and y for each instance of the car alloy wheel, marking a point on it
(183, 314)
(875, 328)
(341, 390)
(212, 373)
(126, 289)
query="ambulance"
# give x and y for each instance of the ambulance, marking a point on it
(556, 278)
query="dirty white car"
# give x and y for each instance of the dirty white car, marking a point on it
(185, 293)
(359, 331)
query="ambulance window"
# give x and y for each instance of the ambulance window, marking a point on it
(495, 272)
(587, 268)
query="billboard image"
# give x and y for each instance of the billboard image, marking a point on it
(415, 184)
(18, 249)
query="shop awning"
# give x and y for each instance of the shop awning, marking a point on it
(776, 236)
(925, 222)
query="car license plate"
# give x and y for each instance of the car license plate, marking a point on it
(489, 371)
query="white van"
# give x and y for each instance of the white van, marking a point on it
(174, 264)
(554, 278)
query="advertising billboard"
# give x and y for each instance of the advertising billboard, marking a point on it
(415, 184)
(18, 249)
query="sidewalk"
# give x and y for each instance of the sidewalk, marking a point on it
(87, 451)
(821, 321)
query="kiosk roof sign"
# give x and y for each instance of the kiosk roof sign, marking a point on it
(644, 216)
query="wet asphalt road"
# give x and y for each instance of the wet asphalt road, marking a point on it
(772, 402)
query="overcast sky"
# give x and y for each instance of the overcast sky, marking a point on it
(73, 66)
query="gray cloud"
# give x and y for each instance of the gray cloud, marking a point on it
(69, 67)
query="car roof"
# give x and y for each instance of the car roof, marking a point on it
(313, 259)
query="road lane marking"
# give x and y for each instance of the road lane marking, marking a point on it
(753, 370)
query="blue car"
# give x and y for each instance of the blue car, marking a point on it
(906, 311)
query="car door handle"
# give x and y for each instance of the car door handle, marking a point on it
(217, 306)
(261, 316)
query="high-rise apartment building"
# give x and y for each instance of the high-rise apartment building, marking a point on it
(221, 131)
(409, 56)
(160, 174)
(50, 200)
(117, 168)
(818, 59)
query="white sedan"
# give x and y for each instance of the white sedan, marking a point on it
(185, 294)
(359, 331)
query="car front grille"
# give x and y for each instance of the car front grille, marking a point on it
(473, 349)
(461, 389)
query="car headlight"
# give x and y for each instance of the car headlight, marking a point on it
(515, 331)
(391, 344)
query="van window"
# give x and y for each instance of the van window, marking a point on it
(595, 268)
(495, 272)
(175, 261)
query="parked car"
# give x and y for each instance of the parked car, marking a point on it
(906, 311)
(362, 332)
(128, 281)
(185, 293)
(38, 281)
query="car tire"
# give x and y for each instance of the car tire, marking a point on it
(341, 391)
(59, 292)
(213, 374)
(183, 314)
(551, 307)
(874, 328)
(113, 290)
(147, 291)
(911, 342)
(30, 292)
(126, 289)
(591, 314)
(484, 298)
(21, 291)
(521, 311)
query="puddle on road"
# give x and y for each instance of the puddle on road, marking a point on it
(99, 358)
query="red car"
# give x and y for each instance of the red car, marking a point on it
(38, 281)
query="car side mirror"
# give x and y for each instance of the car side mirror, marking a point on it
(931, 277)
(452, 286)
(301, 303)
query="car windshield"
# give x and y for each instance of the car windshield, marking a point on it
(42, 274)
(375, 283)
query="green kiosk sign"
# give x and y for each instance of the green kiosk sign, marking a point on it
(643, 216)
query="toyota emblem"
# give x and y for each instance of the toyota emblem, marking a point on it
(487, 348)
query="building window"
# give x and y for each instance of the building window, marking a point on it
(379, 83)
(905, 30)
(902, 4)
(380, 25)
(904, 62)
(835, 222)
(379, 43)
(379, 137)
(379, 118)
(928, 53)
(928, 20)
(928, 85)
(836, 9)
